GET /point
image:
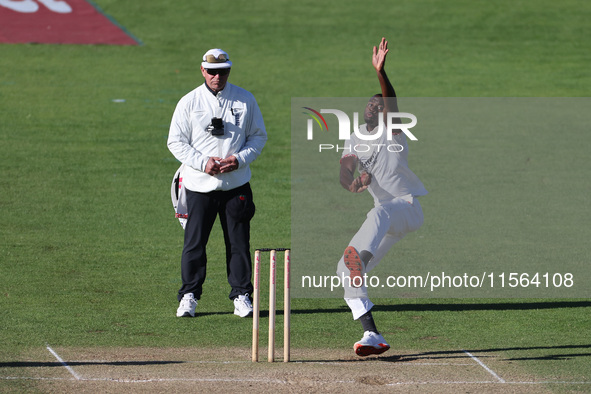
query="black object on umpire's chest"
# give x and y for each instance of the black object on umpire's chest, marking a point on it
(217, 126)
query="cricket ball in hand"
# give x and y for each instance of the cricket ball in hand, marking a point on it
(365, 178)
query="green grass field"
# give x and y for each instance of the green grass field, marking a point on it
(90, 250)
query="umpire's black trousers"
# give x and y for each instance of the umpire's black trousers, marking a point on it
(235, 209)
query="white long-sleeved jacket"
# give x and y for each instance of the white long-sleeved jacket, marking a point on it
(192, 144)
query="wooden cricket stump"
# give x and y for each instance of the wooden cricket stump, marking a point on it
(272, 303)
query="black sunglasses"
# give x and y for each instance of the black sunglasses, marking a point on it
(218, 71)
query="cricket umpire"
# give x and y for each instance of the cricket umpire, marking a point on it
(216, 131)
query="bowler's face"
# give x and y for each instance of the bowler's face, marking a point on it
(374, 107)
(217, 81)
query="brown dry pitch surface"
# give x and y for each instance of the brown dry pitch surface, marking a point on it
(220, 370)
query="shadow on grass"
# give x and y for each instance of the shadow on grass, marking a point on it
(461, 354)
(444, 307)
(460, 307)
(498, 306)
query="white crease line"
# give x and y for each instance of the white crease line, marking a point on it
(436, 382)
(32, 378)
(277, 381)
(155, 362)
(410, 364)
(160, 380)
(501, 380)
(402, 364)
(74, 374)
(304, 362)
(202, 380)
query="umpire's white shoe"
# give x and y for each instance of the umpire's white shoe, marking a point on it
(187, 306)
(242, 306)
(371, 343)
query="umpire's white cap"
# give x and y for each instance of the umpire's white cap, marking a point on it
(216, 58)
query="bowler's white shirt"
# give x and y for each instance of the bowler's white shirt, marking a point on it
(391, 176)
(192, 144)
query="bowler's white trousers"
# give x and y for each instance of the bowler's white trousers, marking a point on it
(386, 224)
